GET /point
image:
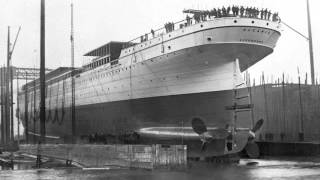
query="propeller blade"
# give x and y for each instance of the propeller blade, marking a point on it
(257, 126)
(252, 150)
(198, 126)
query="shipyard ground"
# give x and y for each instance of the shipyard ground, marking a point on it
(264, 168)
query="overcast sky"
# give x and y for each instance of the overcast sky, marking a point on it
(98, 21)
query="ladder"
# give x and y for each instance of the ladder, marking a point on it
(237, 106)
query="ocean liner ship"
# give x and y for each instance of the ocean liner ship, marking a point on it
(170, 86)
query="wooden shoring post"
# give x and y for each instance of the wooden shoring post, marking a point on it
(265, 101)
(34, 111)
(7, 91)
(301, 129)
(3, 138)
(11, 101)
(284, 107)
(26, 130)
(18, 112)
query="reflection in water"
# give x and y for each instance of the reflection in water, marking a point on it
(261, 169)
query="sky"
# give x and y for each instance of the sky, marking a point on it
(97, 22)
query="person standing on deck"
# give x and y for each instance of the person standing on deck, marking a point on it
(228, 10)
(265, 13)
(233, 10)
(261, 13)
(224, 11)
(241, 11)
(188, 20)
(237, 10)
(269, 14)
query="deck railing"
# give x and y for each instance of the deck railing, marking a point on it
(205, 16)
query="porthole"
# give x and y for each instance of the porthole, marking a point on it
(267, 24)
(169, 35)
(252, 22)
(209, 38)
(169, 47)
(201, 25)
(235, 21)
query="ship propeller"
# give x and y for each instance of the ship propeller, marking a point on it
(252, 148)
(206, 136)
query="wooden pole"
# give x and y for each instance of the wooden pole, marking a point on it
(310, 44)
(301, 110)
(265, 101)
(18, 112)
(7, 97)
(11, 100)
(3, 135)
(284, 106)
(73, 120)
(34, 111)
(26, 115)
(42, 74)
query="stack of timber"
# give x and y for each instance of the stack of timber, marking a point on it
(129, 156)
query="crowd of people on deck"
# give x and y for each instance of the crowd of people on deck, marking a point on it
(234, 11)
(230, 11)
(251, 12)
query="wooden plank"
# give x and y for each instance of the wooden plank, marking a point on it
(133, 156)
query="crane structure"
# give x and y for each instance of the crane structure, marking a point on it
(6, 100)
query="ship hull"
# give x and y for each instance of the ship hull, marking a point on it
(162, 83)
(117, 121)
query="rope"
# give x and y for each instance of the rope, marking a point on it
(296, 31)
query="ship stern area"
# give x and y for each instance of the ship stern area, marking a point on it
(247, 39)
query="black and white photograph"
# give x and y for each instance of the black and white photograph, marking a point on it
(159, 89)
